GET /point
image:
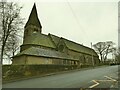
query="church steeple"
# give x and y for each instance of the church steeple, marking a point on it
(32, 26)
(33, 19)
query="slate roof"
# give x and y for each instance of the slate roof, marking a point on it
(80, 48)
(34, 51)
(39, 39)
(54, 38)
(74, 46)
(33, 18)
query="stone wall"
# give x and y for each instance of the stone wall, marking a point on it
(38, 60)
(85, 59)
(30, 60)
(19, 60)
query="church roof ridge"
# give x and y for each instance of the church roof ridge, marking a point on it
(69, 40)
(73, 45)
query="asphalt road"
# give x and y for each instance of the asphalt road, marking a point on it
(101, 77)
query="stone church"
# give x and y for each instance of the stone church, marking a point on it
(38, 48)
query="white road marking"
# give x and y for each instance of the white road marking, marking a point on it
(110, 78)
(104, 80)
(112, 86)
(96, 83)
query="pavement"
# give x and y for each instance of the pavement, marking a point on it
(101, 77)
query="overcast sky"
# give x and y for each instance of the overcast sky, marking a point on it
(81, 22)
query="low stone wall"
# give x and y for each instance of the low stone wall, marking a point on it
(11, 72)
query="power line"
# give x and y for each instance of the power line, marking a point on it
(74, 15)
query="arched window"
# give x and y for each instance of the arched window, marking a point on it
(35, 30)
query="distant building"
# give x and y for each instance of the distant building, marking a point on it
(38, 48)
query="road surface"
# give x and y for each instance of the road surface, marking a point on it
(100, 77)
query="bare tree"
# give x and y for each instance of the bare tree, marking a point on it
(109, 49)
(103, 49)
(99, 48)
(10, 26)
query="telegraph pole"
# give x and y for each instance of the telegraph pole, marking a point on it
(92, 56)
(118, 26)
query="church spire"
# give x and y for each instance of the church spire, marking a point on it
(33, 18)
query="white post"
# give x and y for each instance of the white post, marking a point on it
(119, 24)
